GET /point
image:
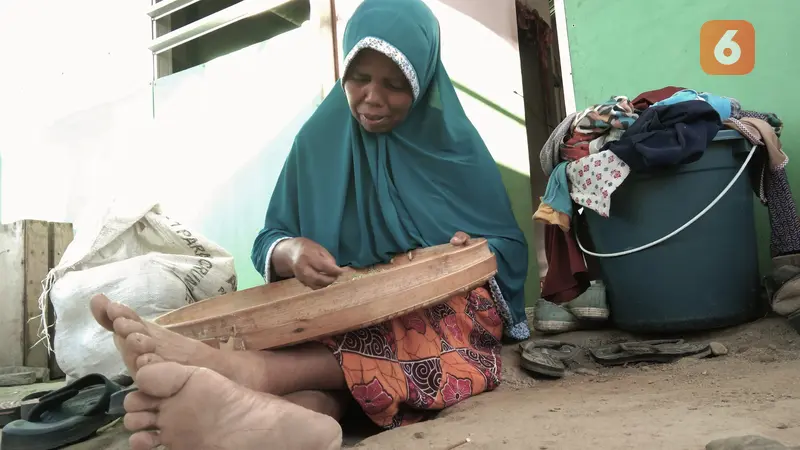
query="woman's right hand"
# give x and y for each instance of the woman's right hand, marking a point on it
(307, 261)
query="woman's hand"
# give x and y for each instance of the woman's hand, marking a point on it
(459, 239)
(307, 261)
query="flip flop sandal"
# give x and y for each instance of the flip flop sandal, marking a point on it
(546, 357)
(19, 409)
(657, 351)
(562, 351)
(65, 416)
(115, 406)
(794, 321)
(122, 380)
(540, 363)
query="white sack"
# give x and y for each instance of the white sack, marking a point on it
(138, 257)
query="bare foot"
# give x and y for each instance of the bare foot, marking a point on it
(192, 408)
(138, 341)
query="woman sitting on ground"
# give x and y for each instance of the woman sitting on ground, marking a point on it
(389, 162)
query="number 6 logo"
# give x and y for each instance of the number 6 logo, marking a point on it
(727, 44)
(727, 47)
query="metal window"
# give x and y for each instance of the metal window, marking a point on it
(194, 30)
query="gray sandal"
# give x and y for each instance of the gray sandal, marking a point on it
(657, 351)
(546, 357)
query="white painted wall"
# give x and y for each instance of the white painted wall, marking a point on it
(60, 58)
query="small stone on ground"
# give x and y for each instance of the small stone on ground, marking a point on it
(747, 443)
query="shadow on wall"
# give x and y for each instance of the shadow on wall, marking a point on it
(521, 206)
(517, 183)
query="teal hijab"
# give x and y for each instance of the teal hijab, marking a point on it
(366, 197)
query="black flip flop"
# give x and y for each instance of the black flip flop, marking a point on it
(65, 416)
(546, 357)
(19, 409)
(115, 406)
(657, 351)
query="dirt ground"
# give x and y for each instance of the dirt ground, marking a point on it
(752, 390)
(684, 405)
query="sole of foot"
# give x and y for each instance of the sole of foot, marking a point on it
(191, 408)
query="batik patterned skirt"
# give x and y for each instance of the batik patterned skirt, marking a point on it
(404, 370)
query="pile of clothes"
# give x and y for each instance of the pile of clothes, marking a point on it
(591, 153)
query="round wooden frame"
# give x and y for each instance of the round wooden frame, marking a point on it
(288, 313)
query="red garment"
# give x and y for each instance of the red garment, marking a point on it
(577, 146)
(646, 99)
(575, 152)
(567, 276)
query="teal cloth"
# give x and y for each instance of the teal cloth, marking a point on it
(556, 194)
(365, 196)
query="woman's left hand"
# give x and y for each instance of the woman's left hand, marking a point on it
(459, 239)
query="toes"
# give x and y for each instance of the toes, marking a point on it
(99, 306)
(138, 401)
(140, 344)
(106, 313)
(163, 380)
(144, 440)
(124, 327)
(147, 359)
(140, 421)
(118, 310)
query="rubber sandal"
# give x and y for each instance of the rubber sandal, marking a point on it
(115, 406)
(19, 409)
(65, 416)
(543, 364)
(658, 351)
(122, 380)
(546, 357)
(794, 321)
(559, 350)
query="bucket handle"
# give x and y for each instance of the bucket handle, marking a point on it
(682, 227)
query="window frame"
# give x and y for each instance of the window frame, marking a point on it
(164, 38)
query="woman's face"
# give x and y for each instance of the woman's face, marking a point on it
(377, 91)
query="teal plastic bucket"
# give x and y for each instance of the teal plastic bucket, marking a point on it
(704, 277)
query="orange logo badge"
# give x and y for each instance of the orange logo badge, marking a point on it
(727, 47)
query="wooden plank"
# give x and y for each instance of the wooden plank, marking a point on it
(28, 250)
(12, 290)
(37, 262)
(61, 235)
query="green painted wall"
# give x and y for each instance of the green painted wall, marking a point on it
(504, 131)
(625, 47)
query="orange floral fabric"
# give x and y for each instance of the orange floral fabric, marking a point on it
(402, 371)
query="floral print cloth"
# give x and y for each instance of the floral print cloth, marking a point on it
(407, 369)
(594, 178)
